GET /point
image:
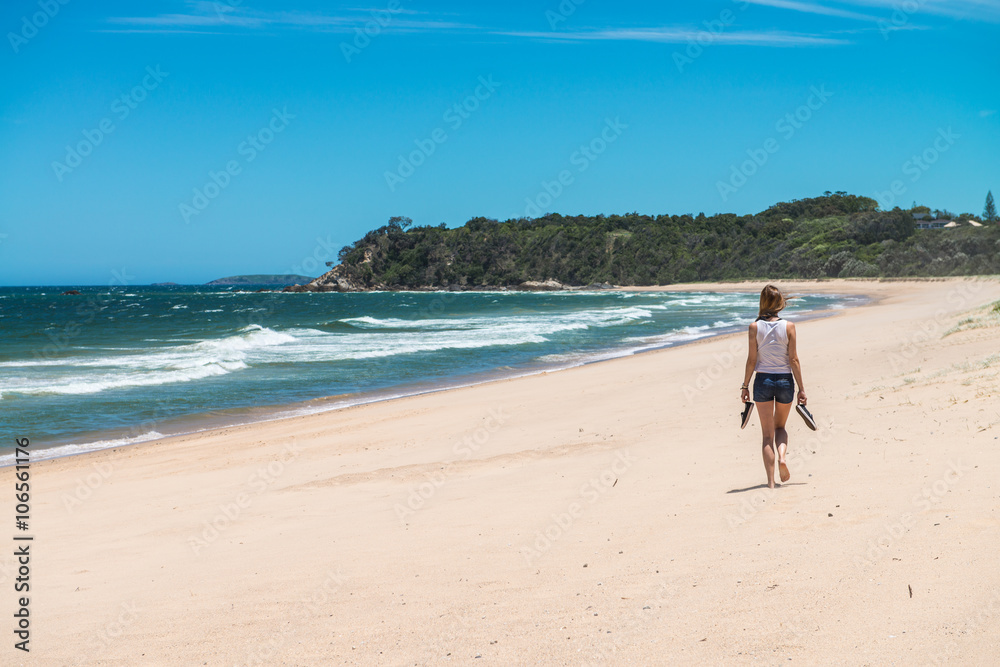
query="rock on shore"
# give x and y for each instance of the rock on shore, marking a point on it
(550, 285)
(333, 280)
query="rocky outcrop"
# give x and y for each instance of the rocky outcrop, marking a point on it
(333, 280)
(549, 285)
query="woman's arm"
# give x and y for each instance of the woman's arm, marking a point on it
(793, 361)
(751, 364)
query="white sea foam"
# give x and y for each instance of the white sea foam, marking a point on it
(26, 363)
(179, 361)
(156, 366)
(95, 383)
(257, 346)
(69, 450)
(548, 323)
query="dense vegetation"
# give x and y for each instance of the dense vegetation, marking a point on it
(836, 235)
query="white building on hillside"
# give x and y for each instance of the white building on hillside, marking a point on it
(934, 224)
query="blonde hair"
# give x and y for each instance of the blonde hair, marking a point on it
(772, 302)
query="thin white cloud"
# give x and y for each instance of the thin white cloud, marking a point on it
(813, 8)
(211, 18)
(986, 113)
(877, 28)
(214, 17)
(208, 17)
(159, 31)
(886, 10)
(684, 36)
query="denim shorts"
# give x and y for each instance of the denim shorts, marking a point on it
(778, 387)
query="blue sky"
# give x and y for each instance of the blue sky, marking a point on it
(185, 141)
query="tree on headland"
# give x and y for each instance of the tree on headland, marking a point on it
(836, 235)
(990, 212)
(921, 212)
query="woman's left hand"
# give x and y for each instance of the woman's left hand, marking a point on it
(745, 394)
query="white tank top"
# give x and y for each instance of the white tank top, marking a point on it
(772, 347)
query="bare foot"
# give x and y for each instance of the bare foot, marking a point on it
(783, 469)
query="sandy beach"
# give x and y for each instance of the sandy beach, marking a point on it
(612, 513)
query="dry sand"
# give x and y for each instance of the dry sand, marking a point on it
(612, 513)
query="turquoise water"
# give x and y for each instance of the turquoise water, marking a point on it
(111, 367)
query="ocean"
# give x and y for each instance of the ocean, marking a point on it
(116, 366)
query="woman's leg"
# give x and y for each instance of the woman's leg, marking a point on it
(781, 411)
(765, 413)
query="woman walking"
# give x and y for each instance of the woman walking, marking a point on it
(772, 354)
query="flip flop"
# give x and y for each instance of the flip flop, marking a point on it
(745, 417)
(807, 416)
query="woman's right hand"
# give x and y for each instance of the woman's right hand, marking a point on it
(802, 397)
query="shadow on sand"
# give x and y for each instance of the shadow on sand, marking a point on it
(764, 486)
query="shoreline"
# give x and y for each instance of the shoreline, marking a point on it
(599, 514)
(240, 417)
(567, 288)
